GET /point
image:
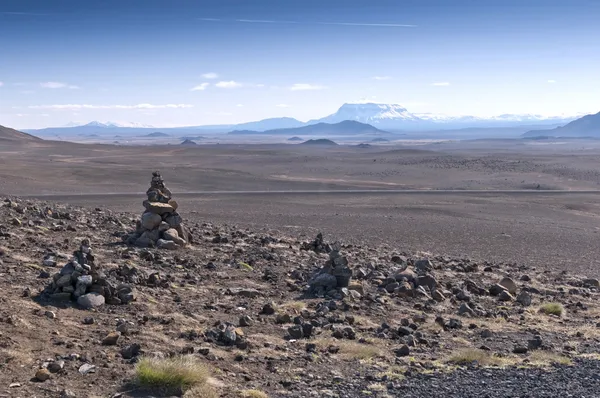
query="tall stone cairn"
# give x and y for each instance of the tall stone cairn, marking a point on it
(160, 225)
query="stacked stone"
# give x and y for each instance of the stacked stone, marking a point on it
(81, 280)
(160, 225)
(336, 273)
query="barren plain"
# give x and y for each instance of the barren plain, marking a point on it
(476, 212)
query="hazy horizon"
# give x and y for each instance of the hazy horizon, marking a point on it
(188, 63)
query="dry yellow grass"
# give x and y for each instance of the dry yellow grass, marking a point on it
(253, 394)
(552, 309)
(351, 349)
(483, 358)
(546, 358)
(202, 391)
(181, 373)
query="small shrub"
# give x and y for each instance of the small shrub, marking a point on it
(552, 309)
(171, 374)
(468, 356)
(253, 394)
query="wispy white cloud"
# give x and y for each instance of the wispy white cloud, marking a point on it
(210, 75)
(58, 85)
(87, 106)
(306, 87)
(269, 21)
(200, 87)
(282, 105)
(229, 84)
(551, 81)
(1, 84)
(440, 84)
(20, 13)
(224, 113)
(240, 105)
(381, 78)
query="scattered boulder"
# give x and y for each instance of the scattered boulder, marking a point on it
(42, 375)
(509, 285)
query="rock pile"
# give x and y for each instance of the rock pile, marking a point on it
(336, 273)
(81, 280)
(160, 225)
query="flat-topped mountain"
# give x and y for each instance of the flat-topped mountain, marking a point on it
(346, 127)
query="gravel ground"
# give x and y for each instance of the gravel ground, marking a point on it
(580, 381)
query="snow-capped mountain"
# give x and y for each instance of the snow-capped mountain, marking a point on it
(110, 124)
(369, 113)
(396, 117)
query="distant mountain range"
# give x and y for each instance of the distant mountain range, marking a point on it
(111, 125)
(587, 126)
(389, 117)
(345, 127)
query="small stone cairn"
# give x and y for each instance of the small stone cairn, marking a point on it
(160, 225)
(336, 274)
(82, 280)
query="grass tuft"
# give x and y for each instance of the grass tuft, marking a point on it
(180, 373)
(470, 355)
(201, 391)
(253, 394)
(552, 309)
(545, 358)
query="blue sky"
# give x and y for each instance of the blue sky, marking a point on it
(226, 61)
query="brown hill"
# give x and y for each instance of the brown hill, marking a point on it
(8, 134)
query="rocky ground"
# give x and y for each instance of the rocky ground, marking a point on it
(270, 312)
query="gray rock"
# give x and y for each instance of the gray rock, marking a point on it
(67, 394)
(509, 285)
(427, 281)
(158, 208)
(465, 309)
(90, 300)
(170, 234)
(535, 343)
(405, 290)
(407, 275)
(131, 351)
(229, 335)
(246, 321)
(496, 289)
(125, 293)
(524, 298)
(438, 296)
(166, 244)
(150, 220)
(87, 368)
(591, 282)
(174, 220)
(486, 333)
(56, 366)
(403, 351)
(63, 281)
(83, 282)
(505, 296)
(323, 281)
(164, 226)
(423, 266)
(296, 332)
(244, 292)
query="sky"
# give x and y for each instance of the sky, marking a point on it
(202, 62)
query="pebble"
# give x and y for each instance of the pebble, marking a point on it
(42, 375)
